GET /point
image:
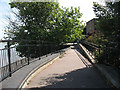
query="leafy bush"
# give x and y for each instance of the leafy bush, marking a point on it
(109, 53)
(110, 56)
(97, 38)
(109, 24)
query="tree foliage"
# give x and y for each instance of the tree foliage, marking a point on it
(97, 38)
(109, 19)
(66, 27)
(109, 25)
(45, 21)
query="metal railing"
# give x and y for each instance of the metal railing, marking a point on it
(108, 55)
(92, 47)
(17, 54)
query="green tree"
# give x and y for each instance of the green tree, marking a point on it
(109, 20)
(44, 22)
(31, 20)
(65, 26)
(109, 25)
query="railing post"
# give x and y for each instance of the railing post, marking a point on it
(46, 49)
(39, 50)
(46, 46)
(9, 59)
(51, 48)
(28, 57)
(28, 60)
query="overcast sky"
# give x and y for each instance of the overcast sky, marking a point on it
(85, 8)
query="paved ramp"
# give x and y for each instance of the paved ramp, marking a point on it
(17, 77)
(70, 71)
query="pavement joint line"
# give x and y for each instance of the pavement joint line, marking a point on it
(38, 69)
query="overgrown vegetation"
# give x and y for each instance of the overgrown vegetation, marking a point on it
(97, 38)
(109, 25)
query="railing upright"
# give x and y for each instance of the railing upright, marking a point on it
(28, 60)
(28, 57)
(39, 50)
(9, 58)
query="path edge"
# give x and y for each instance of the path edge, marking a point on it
(114, 83)
(38, 69)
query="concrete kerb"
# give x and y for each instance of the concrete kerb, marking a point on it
(38, 69)
(105, 74)
(114, 83)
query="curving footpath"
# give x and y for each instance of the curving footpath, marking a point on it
(72, 70)
(19, 76)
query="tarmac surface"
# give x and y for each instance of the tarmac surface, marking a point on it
(17, 77)
(70, 71)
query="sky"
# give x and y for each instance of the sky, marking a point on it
(85, 8)
(4, 11)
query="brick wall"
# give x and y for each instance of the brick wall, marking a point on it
(90, 26)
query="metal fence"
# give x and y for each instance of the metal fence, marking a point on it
(92, 47)
(17, 54)
(108, 55)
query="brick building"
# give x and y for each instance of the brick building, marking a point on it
(91, 26)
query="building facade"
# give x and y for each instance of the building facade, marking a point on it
(91, 26)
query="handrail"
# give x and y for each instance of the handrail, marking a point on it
(32, 50)
(27, 41)
(93, 46)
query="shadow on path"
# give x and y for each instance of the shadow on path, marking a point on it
(81, 78)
